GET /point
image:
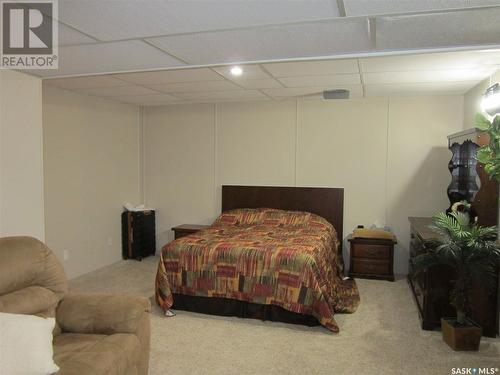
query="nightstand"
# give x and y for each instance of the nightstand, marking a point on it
(372, 258)
(187, 229)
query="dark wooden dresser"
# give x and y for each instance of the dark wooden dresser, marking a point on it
(187, 229)
(371, 258)
(431, 287)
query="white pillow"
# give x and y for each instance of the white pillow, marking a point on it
(26, 345)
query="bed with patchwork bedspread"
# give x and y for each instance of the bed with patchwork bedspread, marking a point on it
(264, 256)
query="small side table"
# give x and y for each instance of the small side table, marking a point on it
(187, 229)
(372, 258)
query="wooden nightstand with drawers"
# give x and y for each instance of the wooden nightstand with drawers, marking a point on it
(187, 229)
(372, 258)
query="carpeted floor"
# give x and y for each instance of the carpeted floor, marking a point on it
(382, 337)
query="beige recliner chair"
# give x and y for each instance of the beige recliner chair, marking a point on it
(94, 334)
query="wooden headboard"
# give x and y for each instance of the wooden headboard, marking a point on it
(325, 202)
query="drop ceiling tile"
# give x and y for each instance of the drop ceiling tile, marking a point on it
(319, 95)
(462, 28)
(407, 89)
(119, 91)
(230, 100)
(450, 75)
(109, 57)
(69, 36)
(355, 91)
(170, 76)
(308, 68)
(374, 7)
(146, 99)
(267, 83)
(321, 81)
(195, 86)
(431, 61)
(220, 95)
(306, 97)
(291, 92)
(267, 43)
(150, 104)
(249, 72)
(127, 19)
(89, 82)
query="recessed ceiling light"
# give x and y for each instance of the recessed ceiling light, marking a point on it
(236, 71)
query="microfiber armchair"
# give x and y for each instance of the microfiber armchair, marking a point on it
(95, 333)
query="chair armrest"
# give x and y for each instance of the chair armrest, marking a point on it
(101, 313)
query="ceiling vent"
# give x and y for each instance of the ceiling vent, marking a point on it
(336, 94)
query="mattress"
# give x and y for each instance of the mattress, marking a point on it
(265, 256)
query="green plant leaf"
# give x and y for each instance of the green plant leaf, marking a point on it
(484, 154)
(489, 155)
(489, 168)
(481, 122)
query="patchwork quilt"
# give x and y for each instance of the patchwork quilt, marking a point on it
(265, 256)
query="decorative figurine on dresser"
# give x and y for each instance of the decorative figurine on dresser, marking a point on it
(472, 191)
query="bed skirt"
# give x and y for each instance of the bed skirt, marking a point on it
(241, 309)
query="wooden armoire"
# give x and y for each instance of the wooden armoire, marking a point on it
(431, 288)
(469, 180)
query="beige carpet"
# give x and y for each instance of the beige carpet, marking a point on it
(382, 337)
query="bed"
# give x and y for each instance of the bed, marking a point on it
(273, 254)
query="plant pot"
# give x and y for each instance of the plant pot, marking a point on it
(461, 338)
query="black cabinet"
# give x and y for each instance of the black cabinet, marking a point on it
(138, 234)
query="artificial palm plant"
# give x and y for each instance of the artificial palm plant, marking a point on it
(469, 249)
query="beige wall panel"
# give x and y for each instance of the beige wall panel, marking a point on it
(472, 103)
(179, 166)
(256, 143)
(418, 159)
(21, 173)
(91, 167)
(343, 144)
